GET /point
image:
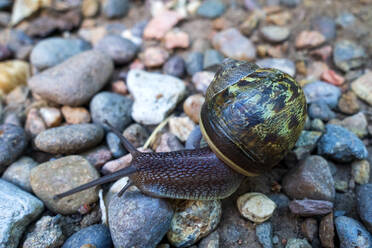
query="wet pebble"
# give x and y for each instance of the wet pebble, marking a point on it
(297, 243)
(113, 108)
(115, 8)
(57, 176)
(158, 26)
(211, 9)
(327, 231)
(256, 207)
(12, 74)
(264, 234)
(362, 87)
(69, 139)
(155, 95)
(194, 63)
(325, 25)
(275, 33)
(348, 55)
(13, 140)
(138, 220)
(341, 145)
(310, 207)
(351, 233)
(120, 50)
(320, 110)
(311, 179)
(19, 209)
(348, 103)
(309, 39)
(231, 43)
(321, 91)
(212, 57)
(18, 173)
(364, 198)
(113, 142)
(193, 220)
(96, 235)
(192, 106)
(74, 81)
(75, 115)
(175, 66)
(50, 52)
(136, 134)
(284, 65)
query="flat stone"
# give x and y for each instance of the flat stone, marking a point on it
(155, 95)
(362, 87)
(320, 110)
(77, 115)
(154, 56)
(181, 127)
(98, 236)
(351, 233)
(176, 39)
(60, 175)
(325, 25)
(18, 173)
(18, 210)
(364, 199)
(310, 207)
(256, 207)
(327, 231)
(309, 39)
(348, 103)
(284, 65)
(74, 81)
(275, 33)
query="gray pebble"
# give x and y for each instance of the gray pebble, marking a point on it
(348, 55)
(325, 25)
(211, 58)
(116, 8)
(320, 110)
(284, 65)
(113, 142)
(194, 63)
(364, 195)
(96, 235)
(322, 91)
(211, 241)
(345, 19)
(211, 9)
(120, 50)
(175, 66)
(290, 3)
(352, 234)
(275, 33)
(136, 134)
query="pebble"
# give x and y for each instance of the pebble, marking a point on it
(308, 139)
(18, 210)
(211, 9)
(193, 220)
(138, 220)
(120, 50)
(5, 53)
(194, 63)
(284, 65)
(325, 25)
(290, 3)
(75, 115)
(311, 179)
(297, 243)
(192, 106)
(320, 110)
(211, 58)
(309, 228)
(90, 8)
(18, 173)
(202, 79)
(175, 66)
(154, 56)
(250, 24)
(69, 139)
(256, 207)
(115, 8)
(119, 87)
(264, 233)
(231, 43)
(136, 134)
(332, 77)
(310, 207)
(351, 233)
(176, 39)
(275, 33)
(317, 125)
(23, 9)
(181, 127)
(211, 241)
(362, 87)
(53, 51)
(96, 235)
(356, 123)
(364, 199)
(34, 123)
(97, 156)
(348, 55)
(12, 74)
(158, 26)
(345, 19)
(348, 103)
(327, 231)
(52, 117)
(155, 95)
(341, 145)
(321, 91)
(60, 175)
(47, 232)
(360, 171)
(114, 108)
(13, 141)
(74, 81)
(113, 143)
(309, 39)
(168, 142)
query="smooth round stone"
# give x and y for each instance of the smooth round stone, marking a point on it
(321, 91)
(352, 234)
(297, 243)
(137, 220)
(18, 209)
(57, 176)
(211, 9)
(50, 52)
(348, 55)
(74, 81)
(115, 8)
(211, 58)
(284, 65)
(364, 198)
(325, 25)
(113, 142)
(193, 220)
(120, 50)
(69, 139)
(136, 134)
(155, 95)
(194, 63)
(264, 234)
(113, 108)
(256, 207)
(320, 110)
(13, 140)
(192, 106)
(18, 173)
(175, 66)
(96, 235)
(340, 144)
(275, 33)
(317, 125)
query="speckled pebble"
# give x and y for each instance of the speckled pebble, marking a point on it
(202, 80)
(181, 127)
(297, 243)
(211, 241)
(136, 134)
(264, 234)
(95, 235)
(327, 231)
(352, 234)
(18, 173)
(363, 87)
(308, 139)
(360, 171)
(275, 33)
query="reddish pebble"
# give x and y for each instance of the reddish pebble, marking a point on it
(161, 24)
(330, 76)
(137, 64)
(75, 115)
(322, 52)
(120, 163)
(309, 39)
(309, 207)
(154, 56)
(119, 87)
(176, 39)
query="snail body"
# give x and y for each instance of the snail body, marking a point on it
(251, 118)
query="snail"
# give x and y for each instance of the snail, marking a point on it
(250, 119)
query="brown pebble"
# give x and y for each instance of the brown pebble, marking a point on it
(309, 39)
(310, 207)
(309, 228)
(176, 39)
(34, 123)
(75, 115)
(192, 106)
(327, 231)
(90, 8)
(120, 87)
(154, 56)
(348, 103)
